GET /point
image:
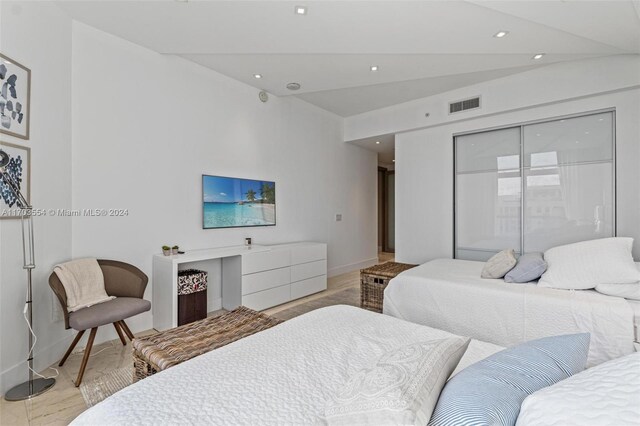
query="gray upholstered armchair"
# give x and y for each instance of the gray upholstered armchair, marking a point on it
(122, 280)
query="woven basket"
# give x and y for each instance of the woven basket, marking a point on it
(168, 348)
(374, 280)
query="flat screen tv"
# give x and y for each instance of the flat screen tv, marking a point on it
(232, 202)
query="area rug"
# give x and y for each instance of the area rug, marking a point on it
(349, 296)
(104, 386)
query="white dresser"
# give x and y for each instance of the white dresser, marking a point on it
(258, 277)
(284, 273)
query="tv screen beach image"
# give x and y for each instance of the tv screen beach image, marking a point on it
(233, 202)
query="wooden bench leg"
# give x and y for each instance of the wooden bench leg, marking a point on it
(116, 325)
(73, 345)
(87, 353)
(128, 332)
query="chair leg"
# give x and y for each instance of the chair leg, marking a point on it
(87, 353)
(128, 332)
(71, 347)
(120, 335)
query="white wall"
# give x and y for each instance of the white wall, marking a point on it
(147, 126)
(424, 156)
(39, 37)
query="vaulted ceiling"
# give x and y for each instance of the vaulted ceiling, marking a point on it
(420, 47)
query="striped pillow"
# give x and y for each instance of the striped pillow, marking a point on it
(491, 391)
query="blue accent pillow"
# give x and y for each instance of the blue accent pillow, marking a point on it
(530, 267)
(491, 391)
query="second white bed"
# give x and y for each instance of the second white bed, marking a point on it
(449, 295)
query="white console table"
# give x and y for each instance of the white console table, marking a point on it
(258, 277)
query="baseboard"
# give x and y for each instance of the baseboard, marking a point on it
(339, 270)
(43, 358)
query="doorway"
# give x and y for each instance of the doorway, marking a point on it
(386, 210)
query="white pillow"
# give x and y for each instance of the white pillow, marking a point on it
(499, 264)
(587, 264)
(628, 291)
(402, 388)
(608, 394)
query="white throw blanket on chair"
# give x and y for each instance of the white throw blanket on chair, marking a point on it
(83, 282)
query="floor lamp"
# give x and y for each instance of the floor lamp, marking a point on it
(32, 387)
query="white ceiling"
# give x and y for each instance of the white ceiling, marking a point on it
(421, 47)
(385, 149)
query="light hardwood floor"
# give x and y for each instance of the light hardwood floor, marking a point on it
(64, 402)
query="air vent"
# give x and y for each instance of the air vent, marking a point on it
(464, 105)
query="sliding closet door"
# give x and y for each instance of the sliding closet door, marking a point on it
(569, 187)
(567, 193)
(488, 193)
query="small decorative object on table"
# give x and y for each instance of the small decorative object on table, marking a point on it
(166, 250)
(374, 280)
(174, 249)
(168, 348)
(192, 296)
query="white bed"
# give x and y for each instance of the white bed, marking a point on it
(284, 375)
(449, 295)
(635, 307)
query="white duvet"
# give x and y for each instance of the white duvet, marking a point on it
(284, 375)
(608, 394)
(449, 294)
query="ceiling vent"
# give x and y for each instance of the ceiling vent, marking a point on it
(464, 105)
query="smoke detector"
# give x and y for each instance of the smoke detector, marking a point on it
(293, 86)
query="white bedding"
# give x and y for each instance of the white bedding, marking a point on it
(608, 394)
(449, 294)
(635, 306)
(284, 375)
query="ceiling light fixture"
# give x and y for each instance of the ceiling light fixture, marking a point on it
(538, 56)
(293, 86)
(374, 68)
(501, 34)
(257, 76)
(377, 142)
(300, 10)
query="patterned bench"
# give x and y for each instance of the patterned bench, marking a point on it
(168, 348)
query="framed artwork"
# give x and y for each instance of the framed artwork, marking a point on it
(19, 168)
(15, 95)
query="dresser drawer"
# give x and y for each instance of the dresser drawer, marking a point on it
(308, 270)
(306, 287)
(265, 260)
(265, 280)
(308, 253)
(268, 298)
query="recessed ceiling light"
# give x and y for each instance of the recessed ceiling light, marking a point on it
(293, 86)
(538, 56)
(501, 34)
(377, 142)
(257, 75)
(374, 68)
(300, 10)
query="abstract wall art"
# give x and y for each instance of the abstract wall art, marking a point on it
(19, 168)
(15, 92)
